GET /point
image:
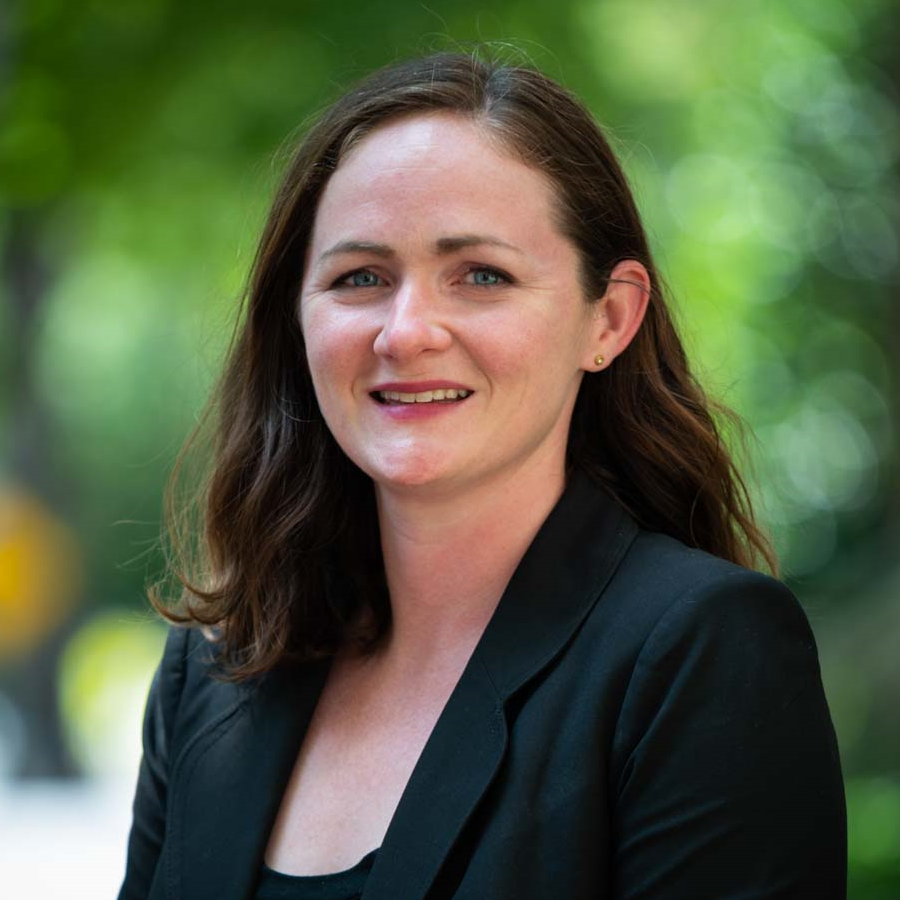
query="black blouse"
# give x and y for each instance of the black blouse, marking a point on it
(346, 885)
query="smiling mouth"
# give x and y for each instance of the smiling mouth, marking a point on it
(445, 395)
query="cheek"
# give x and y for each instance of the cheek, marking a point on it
(541, 354)
(336, 349)
(332, 379)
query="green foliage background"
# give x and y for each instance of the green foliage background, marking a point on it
(140, 141)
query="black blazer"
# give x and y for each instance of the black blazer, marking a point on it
(639, 720)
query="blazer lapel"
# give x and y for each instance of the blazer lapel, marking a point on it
(458, 763)
(555, 586)
(558, 582)
(227, 786)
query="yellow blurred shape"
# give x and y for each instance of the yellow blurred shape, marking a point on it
(104, 674)
(40, 571)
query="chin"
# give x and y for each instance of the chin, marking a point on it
(404, 471)
(406, 478)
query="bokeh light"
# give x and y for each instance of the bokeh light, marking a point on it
(104, 675)
(140, 146)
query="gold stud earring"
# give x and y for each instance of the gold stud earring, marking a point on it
(598, 360)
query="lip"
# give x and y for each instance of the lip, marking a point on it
(405, 412)
(416, 387)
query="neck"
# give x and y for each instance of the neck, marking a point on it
(449, 557)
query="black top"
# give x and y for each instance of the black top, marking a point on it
(639, 721)
(346, 885)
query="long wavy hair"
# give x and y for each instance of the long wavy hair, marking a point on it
(278, 550)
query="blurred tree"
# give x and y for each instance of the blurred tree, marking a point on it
(763, 140)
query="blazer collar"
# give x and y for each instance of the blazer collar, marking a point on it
(558, 581)
(560, 578)
(229, 783)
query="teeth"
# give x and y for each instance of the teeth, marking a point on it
(425, 396)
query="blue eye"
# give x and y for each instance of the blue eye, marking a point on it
(483, 277)
(361, 279)
(480, 276)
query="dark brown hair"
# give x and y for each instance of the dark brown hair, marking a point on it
(284, 552)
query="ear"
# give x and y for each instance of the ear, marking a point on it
(619, 313)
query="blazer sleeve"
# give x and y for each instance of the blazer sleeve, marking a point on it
(149, 809)
(726, 775)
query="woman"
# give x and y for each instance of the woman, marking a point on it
(480, 615)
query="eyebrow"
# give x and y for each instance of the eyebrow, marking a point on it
(442, 246)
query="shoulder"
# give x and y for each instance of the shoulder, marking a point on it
(668, 593)
(662, 567)
(188, 690)
(679, 629)
(716, 726)
(707, 641)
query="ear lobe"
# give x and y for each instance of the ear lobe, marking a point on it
(620, 312)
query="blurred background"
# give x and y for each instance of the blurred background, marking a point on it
(140, 141)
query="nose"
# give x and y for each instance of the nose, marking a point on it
(412, 325)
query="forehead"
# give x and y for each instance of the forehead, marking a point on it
(442, 167)
(452, 133)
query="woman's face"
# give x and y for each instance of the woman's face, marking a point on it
(434, 267)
